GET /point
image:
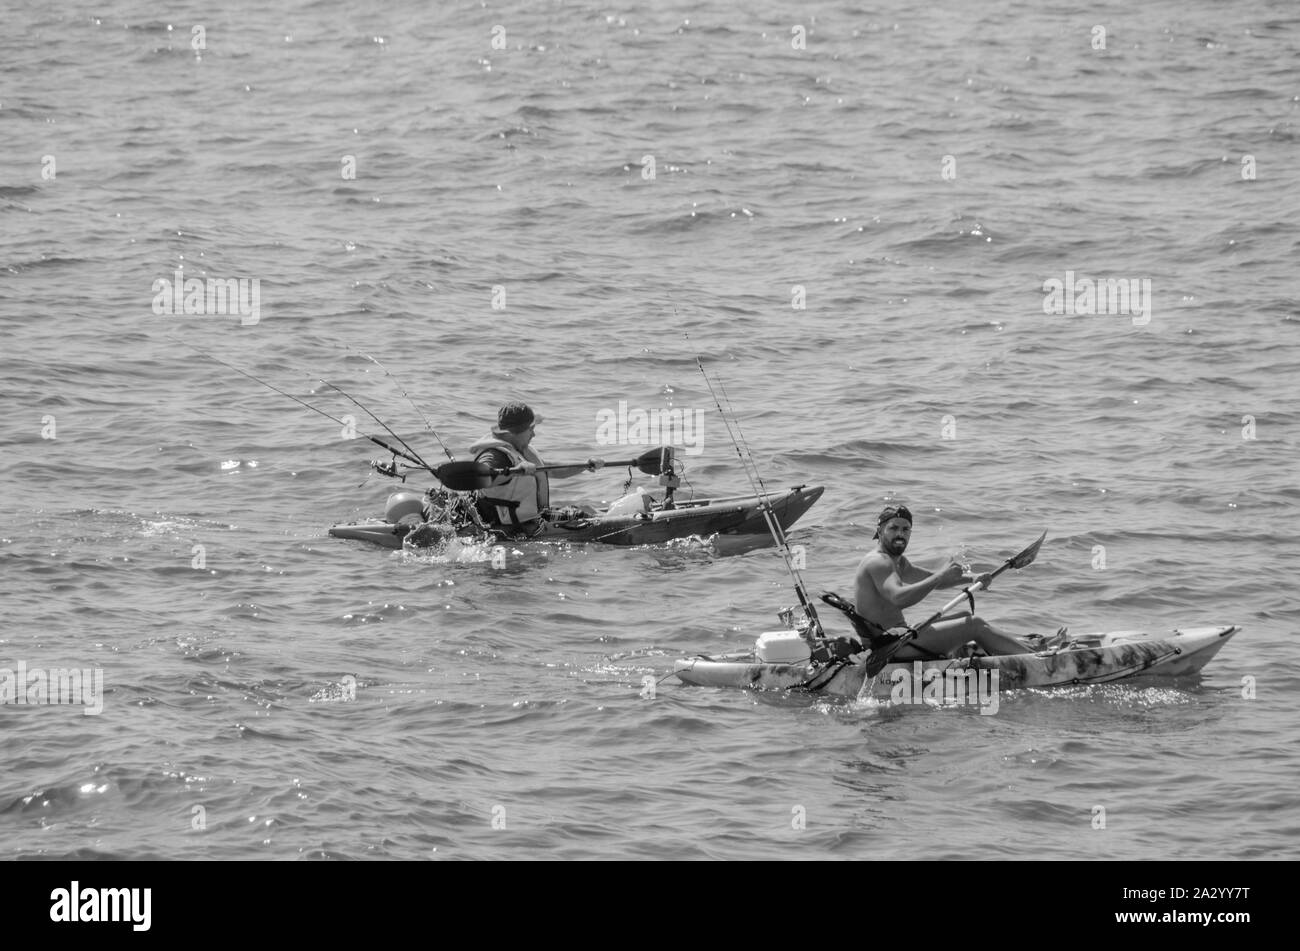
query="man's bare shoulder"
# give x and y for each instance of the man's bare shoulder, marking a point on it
(875, 561)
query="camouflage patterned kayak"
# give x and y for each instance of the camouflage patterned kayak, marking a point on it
(1086, 659)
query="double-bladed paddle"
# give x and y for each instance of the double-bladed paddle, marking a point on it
(879, 657)
(471, 476)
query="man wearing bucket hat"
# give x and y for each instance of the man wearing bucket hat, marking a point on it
(520, 499)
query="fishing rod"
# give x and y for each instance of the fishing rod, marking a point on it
(412, 456)
(398, 383)
(760, 490)
(404, 444)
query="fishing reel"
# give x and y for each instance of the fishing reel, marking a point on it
(388, 469)
(795, 618)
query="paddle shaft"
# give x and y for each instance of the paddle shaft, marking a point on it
(966, 592)
(469, 476)
(514, 470)
(517, 470)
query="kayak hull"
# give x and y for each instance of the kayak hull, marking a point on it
(735, 515)
(1091, 659)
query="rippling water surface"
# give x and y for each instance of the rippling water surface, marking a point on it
(856, 236)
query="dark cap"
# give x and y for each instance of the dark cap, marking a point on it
(515, 418)
(892, 511)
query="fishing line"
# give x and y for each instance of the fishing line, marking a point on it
(402, 442)
(723, 387)
(398, 384)
(311, 406)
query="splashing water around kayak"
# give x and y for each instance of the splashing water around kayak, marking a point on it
(455, 550)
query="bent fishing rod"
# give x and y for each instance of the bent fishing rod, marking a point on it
(366, 410)
(407, 452)
(402, 389)
(760, 490)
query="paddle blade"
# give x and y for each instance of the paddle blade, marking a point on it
(1028, 555)
(881, 653)
(655, 461)
(464, 476)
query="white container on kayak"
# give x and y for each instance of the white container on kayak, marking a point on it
(782, 647)
(631, 504)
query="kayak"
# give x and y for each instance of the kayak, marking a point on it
(731, 515)
(1085, 659)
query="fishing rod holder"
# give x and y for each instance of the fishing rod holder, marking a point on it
(668, 477)
(822, 648)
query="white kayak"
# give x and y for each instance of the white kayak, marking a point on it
(1086, 659)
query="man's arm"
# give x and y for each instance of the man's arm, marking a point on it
(910, 573)
(897, 590)
(568, 471)
(499, 460)
(913, 574)
(969, 579)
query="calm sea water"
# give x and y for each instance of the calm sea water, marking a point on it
(538, 202)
